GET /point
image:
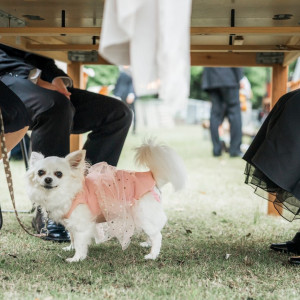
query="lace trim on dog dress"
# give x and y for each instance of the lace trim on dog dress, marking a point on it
(283, 199)
(115, 192)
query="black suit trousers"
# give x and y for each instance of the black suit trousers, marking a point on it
(226, 103)
(53, 118)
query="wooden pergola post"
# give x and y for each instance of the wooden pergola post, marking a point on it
(74, 71)
(279, 88)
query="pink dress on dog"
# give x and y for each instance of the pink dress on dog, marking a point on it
(112, 192)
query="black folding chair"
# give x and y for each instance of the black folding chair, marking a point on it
(24, 152)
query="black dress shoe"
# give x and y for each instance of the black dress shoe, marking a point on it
(295, 260)
(54, 232)
(292, 246)
(238, 154)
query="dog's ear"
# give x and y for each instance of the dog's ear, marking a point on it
(35, 156)
(76, 158)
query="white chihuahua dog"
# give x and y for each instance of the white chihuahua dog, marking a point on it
(102, 202)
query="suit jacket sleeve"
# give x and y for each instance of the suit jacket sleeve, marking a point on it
(46, 65)
(238, 73)
(30, 60)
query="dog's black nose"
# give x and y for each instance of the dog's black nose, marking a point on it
(48, 180)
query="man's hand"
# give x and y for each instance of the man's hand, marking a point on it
(54, 87)
(58, 82)
(130, 98)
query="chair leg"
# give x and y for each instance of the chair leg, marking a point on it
(1, 219)
(26, 161)
(24, 152)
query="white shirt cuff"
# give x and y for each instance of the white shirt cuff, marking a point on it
(68, 82)
(34, 75)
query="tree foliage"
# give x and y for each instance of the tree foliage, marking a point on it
(196, 91)
(104, 75)
(259, 77)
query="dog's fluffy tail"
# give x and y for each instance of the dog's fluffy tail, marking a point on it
(165, 164)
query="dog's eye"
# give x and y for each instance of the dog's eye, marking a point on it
(41, 172)
(58, 174)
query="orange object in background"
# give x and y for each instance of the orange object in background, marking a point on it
(104, 90)
(85, 78)
(243, 102)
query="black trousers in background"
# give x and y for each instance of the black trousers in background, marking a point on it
(54, 118)
(226, 103)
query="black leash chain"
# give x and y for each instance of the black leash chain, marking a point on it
(9, 179)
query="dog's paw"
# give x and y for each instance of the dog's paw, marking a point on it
(68, 248)
(71, 259)
(74, 259)
(150, 256)
(145, 245)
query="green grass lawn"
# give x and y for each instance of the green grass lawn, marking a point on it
(215, 245)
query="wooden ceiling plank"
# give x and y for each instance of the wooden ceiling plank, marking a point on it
(95, 31)
(194, 48)
(291, 30)
(100, 61)
(294, 40)
(45, 40)
(15, 42)
(221, 59)
(244, 48)
(57, 55)
(22, 42)
(65, 47)
(292, 56)
(49, 31)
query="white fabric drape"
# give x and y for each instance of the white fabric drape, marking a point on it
(153, 36)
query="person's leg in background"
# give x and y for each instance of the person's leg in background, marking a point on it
(132, 107)
(216, 118)
(231, 97)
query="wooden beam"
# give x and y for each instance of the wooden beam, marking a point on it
(16, 41)
(194, 48)
(21, 44)
(95, 31)
(61, 47)
(44, 40)
(100, 61)
(290, 57)
(279, 30)
(49, 31)
(58, 55)
(222, 59)
(279, 88)
(279, 82)
(245, 48)
(74, 71)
